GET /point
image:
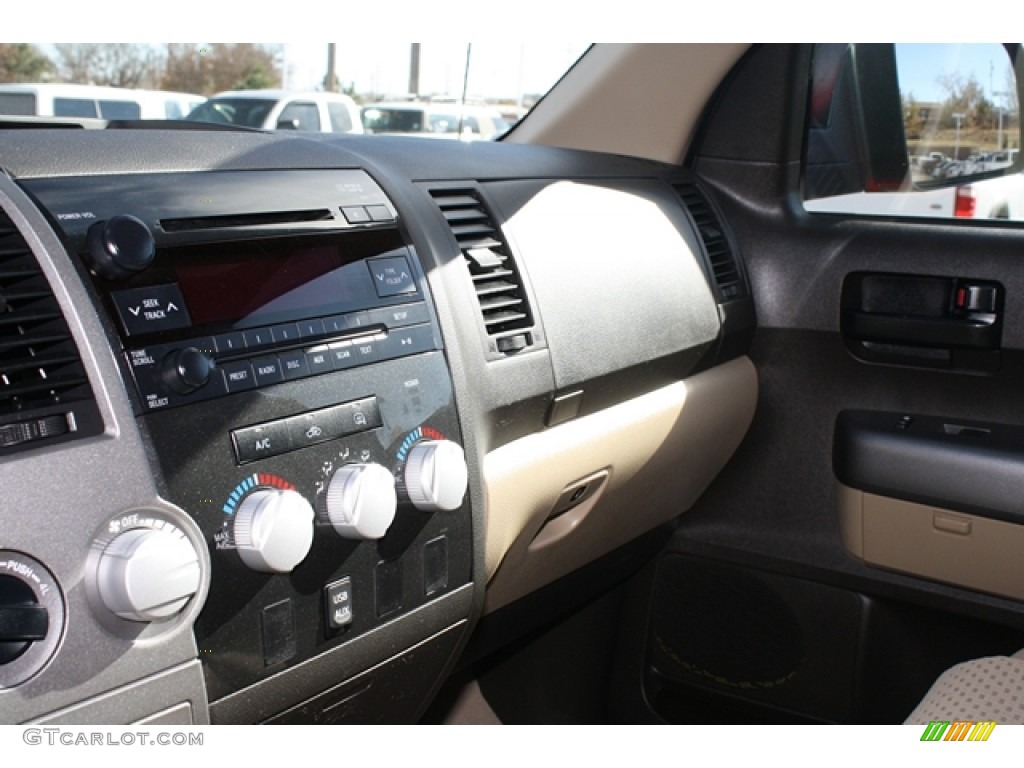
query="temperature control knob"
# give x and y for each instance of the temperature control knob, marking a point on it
(120, 247)
(148, 574)
(361, 501)
(186, 370)
(273, 530)
(435, 475)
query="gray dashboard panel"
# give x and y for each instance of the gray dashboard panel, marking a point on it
(616, 271)
(58, 500)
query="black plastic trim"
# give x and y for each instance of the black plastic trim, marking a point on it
(970, 466)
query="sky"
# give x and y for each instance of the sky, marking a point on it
(921, 65)
(498, 69)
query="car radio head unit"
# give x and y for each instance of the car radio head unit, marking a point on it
(210, 292)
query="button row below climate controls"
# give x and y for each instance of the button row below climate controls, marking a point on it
(273, 438)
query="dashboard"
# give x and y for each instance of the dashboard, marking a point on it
(281, 418)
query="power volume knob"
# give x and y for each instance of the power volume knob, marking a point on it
(120, 247)
(361, 501)
(148, 574)
(273, 530)
(436, 475)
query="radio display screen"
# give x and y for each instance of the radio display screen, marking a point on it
(261, 282)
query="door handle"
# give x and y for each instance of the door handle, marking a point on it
(975, 331)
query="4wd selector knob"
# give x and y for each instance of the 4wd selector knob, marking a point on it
(273, 530)
(361, 501)
(148, 574)
(436, 475)
(22, 619)
(120, 246)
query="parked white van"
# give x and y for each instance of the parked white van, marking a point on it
(67, 100)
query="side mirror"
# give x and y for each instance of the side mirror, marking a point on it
(894, 118)
(288, 125)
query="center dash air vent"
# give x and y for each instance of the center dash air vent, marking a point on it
(44, 390)
(724, 267)
(499, 286)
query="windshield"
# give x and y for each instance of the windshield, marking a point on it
(459, 91)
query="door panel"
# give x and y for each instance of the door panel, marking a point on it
(771, 523)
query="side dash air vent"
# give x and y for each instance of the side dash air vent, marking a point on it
(727, 275)
(44, 391)
(499, 287)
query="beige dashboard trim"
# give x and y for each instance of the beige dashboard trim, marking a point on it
(954, 547)
(652, 457)
(598, 106)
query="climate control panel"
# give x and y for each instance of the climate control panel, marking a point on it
(330, 505)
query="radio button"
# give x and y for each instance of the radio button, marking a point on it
(309, 329)
(342, 355)
(319, 360)
(391, 276)
(267, 371)
(355, 214)
(408, 341)
(398, 317)
(294, 365)
(367, 349)
(380, 213)
(286, 334)
(229, 343)
(335, 324)
(238, 376)
(258, 337)
(261, 442)
(357, 320)
(151, 309)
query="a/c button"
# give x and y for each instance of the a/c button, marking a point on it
(254, 443)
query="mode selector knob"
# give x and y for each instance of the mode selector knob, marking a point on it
(273, 530)
(120, 247)
(361, 501)
(148, 574)
(435, 475)
(186, 370)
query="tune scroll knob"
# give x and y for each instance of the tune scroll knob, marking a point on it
(273, 530)
(148, 574)
(436, 475)
(186, 370)
(120, 247)
(361, 501)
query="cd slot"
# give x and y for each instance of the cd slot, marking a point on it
(225, 221)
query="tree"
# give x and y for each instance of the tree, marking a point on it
(206, 68)
(23, 63)
(189, 67)
(125, 65)
(965, 96)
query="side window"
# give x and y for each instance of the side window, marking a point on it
(955, 111)
(173, 110)
(300, 116)
(120, 110)
(341, 120)
(17, 104)
(63, 107)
